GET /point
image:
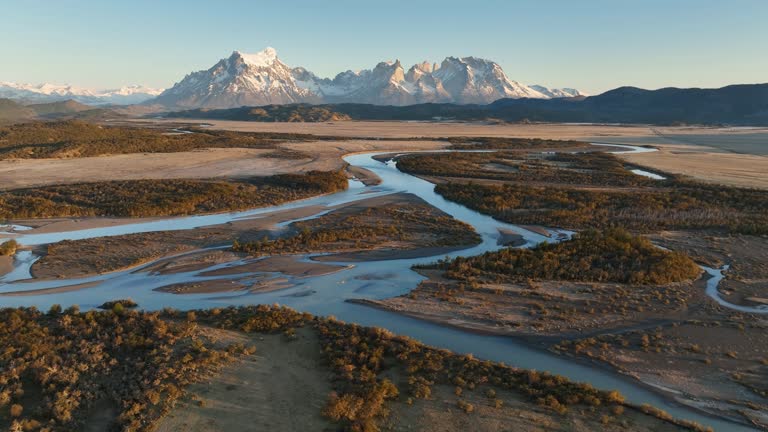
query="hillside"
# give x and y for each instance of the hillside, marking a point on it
(11, 112)
(263, 79)
(737, 104)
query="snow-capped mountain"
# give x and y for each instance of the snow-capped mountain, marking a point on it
(262, 79)
(242, 79)
(43, 93)
(558, 93)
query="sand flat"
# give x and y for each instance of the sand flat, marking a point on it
(408, 129)
(283, 387)
(713, 167)
(209, 163)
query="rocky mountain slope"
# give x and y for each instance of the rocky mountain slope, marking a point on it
(262, 79)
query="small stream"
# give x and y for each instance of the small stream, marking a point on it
(327, 294)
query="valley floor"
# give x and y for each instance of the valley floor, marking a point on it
(670, 337)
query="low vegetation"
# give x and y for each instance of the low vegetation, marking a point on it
(270, 113)
(587, 190)
(138, 198)
(61, 367)
(8, 247)
(372, 366)
(613, 255)
(593, 169)
(503, 143)
(74, 138)
(122, 304)
(394, 225)
(56, 367)
(695, 206)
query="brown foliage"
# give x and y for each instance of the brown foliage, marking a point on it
(140, 198)
(613, 255)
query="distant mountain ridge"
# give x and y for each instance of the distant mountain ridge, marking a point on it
(263, 79)
(13, 112)
(45, 93)
(745, 104)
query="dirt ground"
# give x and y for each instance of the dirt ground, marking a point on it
(709, 162)
(709, 166)
(746, 281)
(441, 413)
(701, 162)
(283, 387)
(672, 338)
(6, 264)
(406, 129)
(210, 163)
(550, 309)
(719, 365)
(187, 250)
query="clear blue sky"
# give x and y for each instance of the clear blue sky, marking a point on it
(593, 45)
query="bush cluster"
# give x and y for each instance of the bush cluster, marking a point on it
(56, 366)
(613, 255)
(141, 198)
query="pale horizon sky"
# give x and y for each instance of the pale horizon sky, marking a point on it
(592, 45)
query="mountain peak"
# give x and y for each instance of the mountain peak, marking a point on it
(263, 58)
(46, 92)
(262, 79)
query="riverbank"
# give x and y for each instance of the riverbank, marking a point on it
(325, 294)
(421, 233)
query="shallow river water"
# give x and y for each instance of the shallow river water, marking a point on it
(327, 294)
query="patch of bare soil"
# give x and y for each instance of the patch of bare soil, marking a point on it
(387, 227)
(75, 258)
(204, 287)
(192, 262)
(746, 282)
(283, 387)
(390, 254)
(184, 250)
(401, 129)
(288, 265)
(206, 163)
(543, 308)
(6, 264)
(673, 338)
(260, 269)
(367, 177)
(447, 412)
(57, 290)
(716, 364)
(713, 167)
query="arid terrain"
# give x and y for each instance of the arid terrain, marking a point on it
(587, 315)
(702, 158)
(617, 303)
(400, 216)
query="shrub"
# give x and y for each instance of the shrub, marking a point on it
(8, 248)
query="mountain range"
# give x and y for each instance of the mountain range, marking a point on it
(45, 93)
(263, 79)
(745, 104)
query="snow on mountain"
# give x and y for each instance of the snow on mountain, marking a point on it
(42, 93)
(241, 79)
(558, 93)
(262, 79)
